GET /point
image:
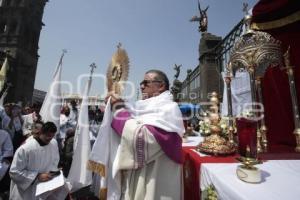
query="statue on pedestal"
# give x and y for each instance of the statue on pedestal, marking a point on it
(177, 69)
(202, 19)
(176, 88)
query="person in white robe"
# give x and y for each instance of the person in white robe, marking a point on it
(29, 119)
(14, 127)
(140, 157)
(6, 147)
(6, 154)
(5, 119)
(65, 124)
(32, 163)
(73, 110)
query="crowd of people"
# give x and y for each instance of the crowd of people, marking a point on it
(146, 136)
(25, 144)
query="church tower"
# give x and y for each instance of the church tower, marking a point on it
(20, 27)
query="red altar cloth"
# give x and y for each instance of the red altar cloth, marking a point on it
(191, 170)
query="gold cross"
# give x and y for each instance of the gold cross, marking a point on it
(93, 66)
(245, 8)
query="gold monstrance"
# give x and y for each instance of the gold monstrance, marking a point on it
(117, 72)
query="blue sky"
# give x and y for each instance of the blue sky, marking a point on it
(155, 33)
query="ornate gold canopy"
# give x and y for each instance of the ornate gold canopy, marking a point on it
(257, 50)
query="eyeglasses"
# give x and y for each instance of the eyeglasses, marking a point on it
(147, 82)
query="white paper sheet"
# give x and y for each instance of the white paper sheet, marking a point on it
(201, 154)
(52, 184)
(192, 141)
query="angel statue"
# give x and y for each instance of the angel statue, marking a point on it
(177, 69)
(202, 19)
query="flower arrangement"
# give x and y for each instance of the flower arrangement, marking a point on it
(205, 126)
(209, 193)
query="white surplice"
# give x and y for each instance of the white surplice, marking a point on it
(159, 177)
(65, 123)
(29, 160)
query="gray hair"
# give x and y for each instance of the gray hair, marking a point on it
(160, 76)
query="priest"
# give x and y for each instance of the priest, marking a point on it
(33, 163)
(145, 154)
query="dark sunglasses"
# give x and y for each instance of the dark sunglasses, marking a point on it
(147, 82)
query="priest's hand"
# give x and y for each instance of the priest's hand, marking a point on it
(42, 177)
(115, 101)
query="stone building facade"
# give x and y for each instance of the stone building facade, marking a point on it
(20, 27)
(214, 53)
(206, 77)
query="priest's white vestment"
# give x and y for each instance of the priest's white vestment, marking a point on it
(30, 159)
(153, 177)
(134, 162)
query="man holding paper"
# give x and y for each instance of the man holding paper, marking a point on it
(35, 161)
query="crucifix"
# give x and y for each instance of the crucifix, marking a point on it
(93, 66)
(245, 8)
(119, 45)
(64, 51)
